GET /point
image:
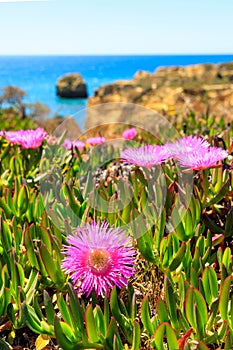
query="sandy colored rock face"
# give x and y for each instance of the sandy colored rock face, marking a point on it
(196, 87)
(71, 86)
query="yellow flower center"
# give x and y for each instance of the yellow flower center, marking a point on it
(98, 259)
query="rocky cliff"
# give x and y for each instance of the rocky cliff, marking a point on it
(174, 91)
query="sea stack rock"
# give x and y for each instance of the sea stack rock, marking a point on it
(71, 85)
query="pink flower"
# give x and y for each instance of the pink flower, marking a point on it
(26, 138)
(2, 133)
(146, 156)
(12, 136)
(98, 258)
(202, 158)
(186, 145)
(78, 144)
(98, 140)
(129, 134)
(52, 140)
(68, 144)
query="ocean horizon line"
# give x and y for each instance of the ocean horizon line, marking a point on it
(115, 55)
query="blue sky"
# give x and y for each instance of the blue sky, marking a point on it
(116, 27)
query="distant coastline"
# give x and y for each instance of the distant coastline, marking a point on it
(38, 74)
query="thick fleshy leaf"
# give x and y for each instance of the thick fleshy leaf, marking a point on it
(136, 336)
(162, 311)
(224, 298)
(90, 324)
(23, 200)
(165, 330)
(196, 310)
(178, 257)
(146, 317)
(123, 321)
(210, 284)
(171, 303)
(220, 195)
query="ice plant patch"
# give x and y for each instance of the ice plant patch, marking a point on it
(185, 145)
(98, 140)
(146, 156)
(202, 158)
(68, 144)
(26, 138)
(129, 134)
(99, 257)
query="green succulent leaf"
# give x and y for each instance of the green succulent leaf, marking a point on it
(76, 310)
(49, 310)
(112, 336)
(91, 324)
(219, 196)
(123, 321)
(162, 311)
(229, 224)
(196, 311)
(146, 317)
(227, 259)
(165, 330)
(178, 257)
(36, 324)
(52, 266)
(136, 336)
(224, 298)
(63, 341)
(210, 284)
(171, 302)
(144, 244)
(23, 200)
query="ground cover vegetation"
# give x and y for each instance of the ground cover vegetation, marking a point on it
(137, 260)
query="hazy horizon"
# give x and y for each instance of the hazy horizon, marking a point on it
(59, 27)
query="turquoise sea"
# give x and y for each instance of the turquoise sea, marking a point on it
(38, 74)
